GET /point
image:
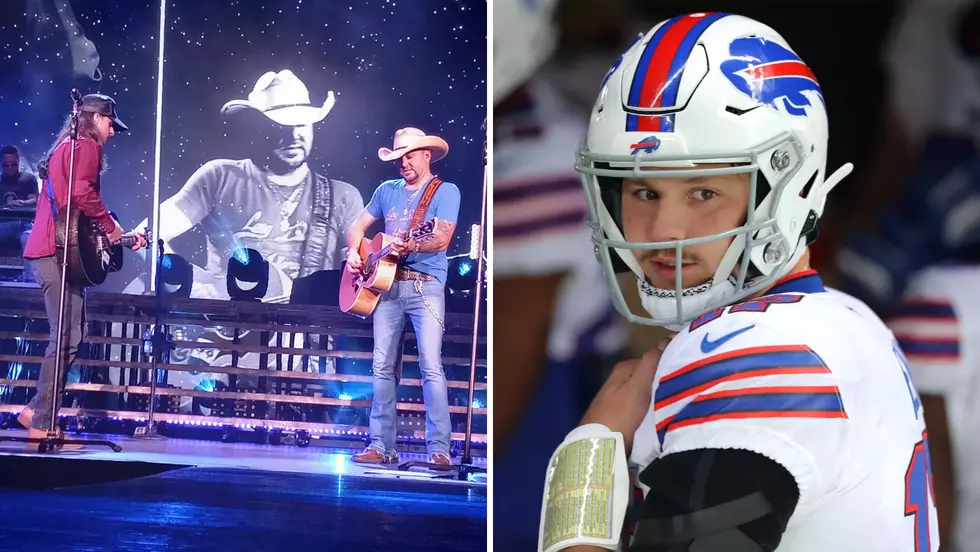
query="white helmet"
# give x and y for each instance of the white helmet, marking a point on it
(709, 88)
(524, 37)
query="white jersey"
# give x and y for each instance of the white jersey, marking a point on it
(539, 222)
(938, 327)
(813, 380)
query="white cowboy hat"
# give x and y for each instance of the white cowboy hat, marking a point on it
(410, 139)
(283, 98)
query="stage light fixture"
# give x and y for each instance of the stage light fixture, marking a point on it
(176, 276)
(462, 275)
(247, 277)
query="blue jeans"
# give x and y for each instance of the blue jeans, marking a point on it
(48, 273)
(428, 314)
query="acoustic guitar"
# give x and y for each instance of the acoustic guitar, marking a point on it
(90, 255)
(360, 293)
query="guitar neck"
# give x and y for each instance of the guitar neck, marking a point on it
(375, 257)
(128, 241)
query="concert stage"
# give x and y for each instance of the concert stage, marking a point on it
(259, 372)
(182, 494)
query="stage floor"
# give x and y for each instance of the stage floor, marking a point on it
(215, 454)
(194, 495)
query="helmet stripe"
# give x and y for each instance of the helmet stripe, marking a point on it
(658, 75)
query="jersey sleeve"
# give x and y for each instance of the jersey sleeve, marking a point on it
(539, 206)
(928, 329)
(737, 384)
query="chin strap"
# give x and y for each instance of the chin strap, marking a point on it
(586, 492)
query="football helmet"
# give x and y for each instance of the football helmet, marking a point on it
(524, 37)
(706, 88)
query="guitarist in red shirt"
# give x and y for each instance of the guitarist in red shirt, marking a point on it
(97, 122)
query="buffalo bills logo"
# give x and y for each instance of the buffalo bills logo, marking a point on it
(770, 74)
(649, 144)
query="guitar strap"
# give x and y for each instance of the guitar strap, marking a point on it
(424, 202)
(315, 249)
(43, 168)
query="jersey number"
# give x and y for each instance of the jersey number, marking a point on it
(919, 494)
(761, 304)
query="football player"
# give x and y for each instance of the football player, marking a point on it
(937, 324)
(552, 331)
(934, 328)
(782, 415)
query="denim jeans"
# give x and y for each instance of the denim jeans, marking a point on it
(47, 270)
(427, 312)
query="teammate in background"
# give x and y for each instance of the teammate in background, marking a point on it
(935, 330)
(936, 323)
(553, 330)
(783, 415)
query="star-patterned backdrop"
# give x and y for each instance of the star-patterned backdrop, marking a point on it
(389, 63)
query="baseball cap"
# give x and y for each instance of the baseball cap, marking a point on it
(103, 105)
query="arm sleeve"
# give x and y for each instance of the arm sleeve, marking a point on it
(447, 206)
(200, 193)
(84, 194)
(692, 481)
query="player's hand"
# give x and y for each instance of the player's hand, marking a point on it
(116, 235)
(140, 242)
(625, 398)
(15, 203)
(400, 246)
(354, 262)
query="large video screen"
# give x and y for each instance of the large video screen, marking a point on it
(272, 121)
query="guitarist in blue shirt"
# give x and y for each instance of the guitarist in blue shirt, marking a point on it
(418, 290)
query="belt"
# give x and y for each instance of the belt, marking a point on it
(408, 274)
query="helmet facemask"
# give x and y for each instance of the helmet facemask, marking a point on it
(760, 250)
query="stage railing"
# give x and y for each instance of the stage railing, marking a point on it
(115, 323)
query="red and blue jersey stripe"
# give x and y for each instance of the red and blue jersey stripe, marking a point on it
(658, 74)
(927, 330)
(698, 377)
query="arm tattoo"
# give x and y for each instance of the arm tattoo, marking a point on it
(442, 235)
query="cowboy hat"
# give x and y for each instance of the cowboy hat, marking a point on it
(284, 99)
(409, 139)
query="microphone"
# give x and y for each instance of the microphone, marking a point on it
(76, 96)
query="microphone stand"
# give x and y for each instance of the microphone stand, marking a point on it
(160, 345)
(50, 442)
(466, 466)
(466, 462)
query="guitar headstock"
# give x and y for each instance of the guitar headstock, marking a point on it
(424, 231)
